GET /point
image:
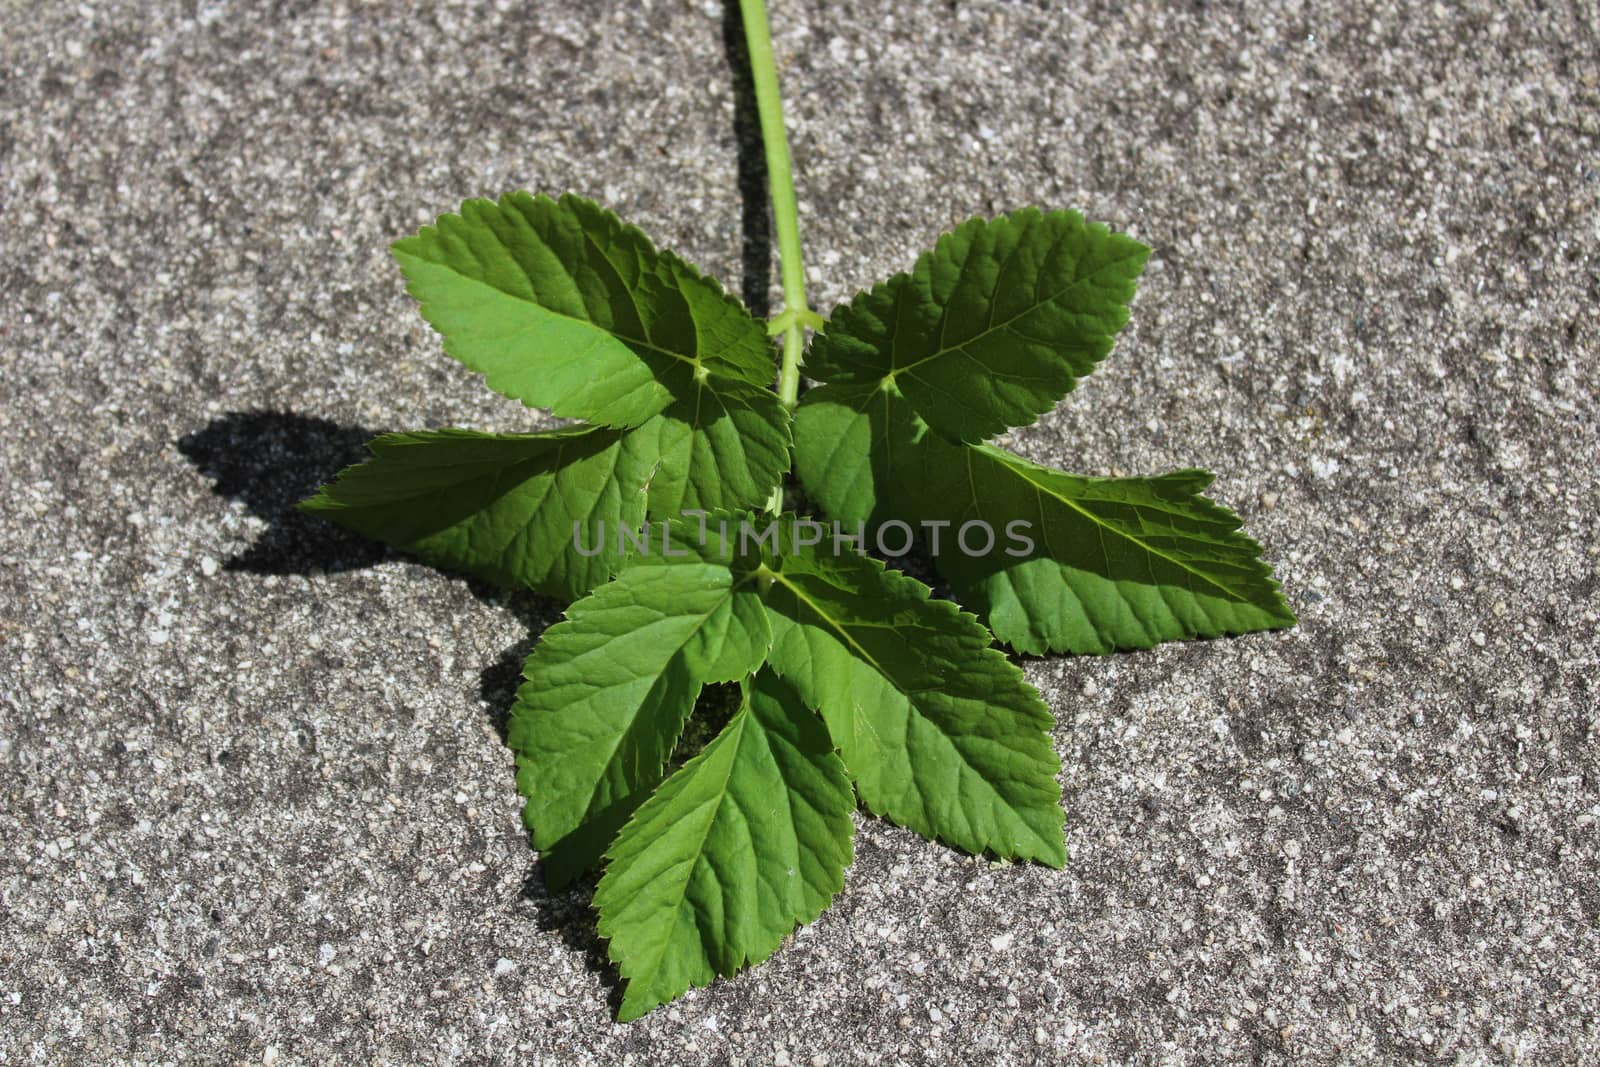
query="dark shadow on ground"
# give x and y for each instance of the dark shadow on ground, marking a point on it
(755, 257)
(498, 682)
(569, 912)
(272, 460)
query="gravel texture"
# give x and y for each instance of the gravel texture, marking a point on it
(254, 805)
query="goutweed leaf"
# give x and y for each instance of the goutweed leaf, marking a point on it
(746, 841)
(991, 328)
(855, 684)
(941, 733)
(607, 690)
(561, 305)
(1098, 563)
(545, 511)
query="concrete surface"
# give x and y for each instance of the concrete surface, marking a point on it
(254, 807)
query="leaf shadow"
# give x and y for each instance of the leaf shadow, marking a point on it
(569, 913)
(270, 461)
(755, 211)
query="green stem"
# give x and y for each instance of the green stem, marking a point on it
(796, 314)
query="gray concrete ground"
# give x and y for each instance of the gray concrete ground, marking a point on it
(255, 807)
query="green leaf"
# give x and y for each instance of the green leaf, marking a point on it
(500, 507)
(562, 306)
(991, 328)
(941, 733)
(544, 510)
(1115, 562)
(608, 689)
(746, 841)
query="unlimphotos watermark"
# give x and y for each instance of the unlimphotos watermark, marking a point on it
(893, 538)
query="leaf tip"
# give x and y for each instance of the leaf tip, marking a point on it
(319, 502)
(633, 1007)
(1055, 853)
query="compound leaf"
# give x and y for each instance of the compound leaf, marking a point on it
(607, 690)
(855, 683)
(991, 328)
(545, 510)
(940, 732)
(562, 306)
(1098, 563)
(746, 841)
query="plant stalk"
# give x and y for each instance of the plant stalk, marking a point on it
(796, 315)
